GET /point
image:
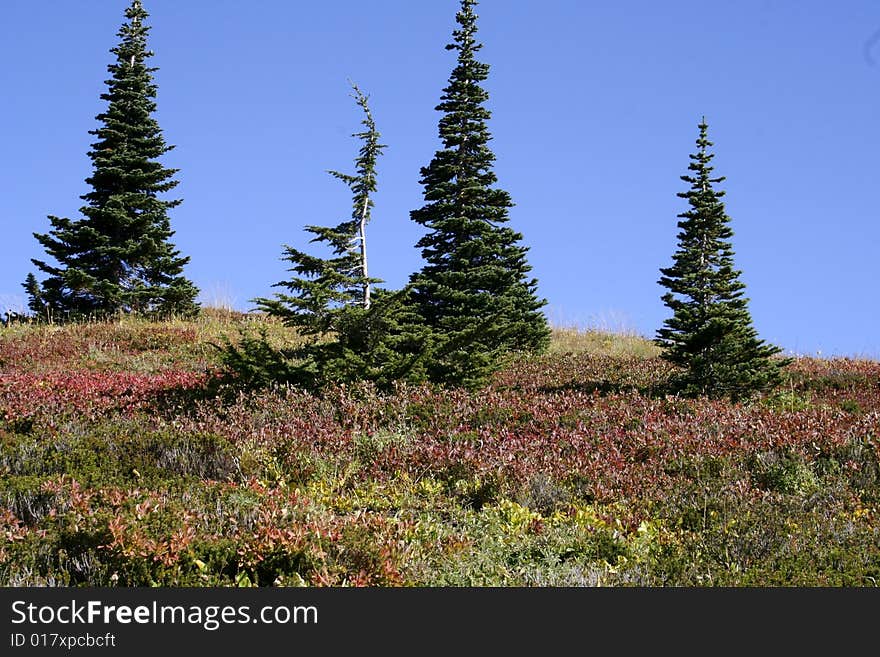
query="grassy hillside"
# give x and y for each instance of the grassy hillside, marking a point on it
(122, 463)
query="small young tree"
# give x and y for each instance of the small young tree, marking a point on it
(352, 331)
(473, 292)
(36, 304)
(362, 185)
(710, 333)
(118, 257)
(323, 287)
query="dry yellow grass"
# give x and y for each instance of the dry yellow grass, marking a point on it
(594, 341)
(139, 344)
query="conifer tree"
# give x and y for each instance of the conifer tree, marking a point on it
(118, 257)
(323, 287)
(362, 185)
(710, 334)
(352, 330)
(35, 297)
(473, 291)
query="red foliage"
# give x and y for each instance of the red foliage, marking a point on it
(52, 395)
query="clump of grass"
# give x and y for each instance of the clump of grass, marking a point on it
(598, 342)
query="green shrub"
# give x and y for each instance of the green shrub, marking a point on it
(783, 471)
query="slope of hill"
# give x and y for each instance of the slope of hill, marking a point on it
(124, 464)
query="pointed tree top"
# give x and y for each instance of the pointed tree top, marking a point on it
(464, 37)
(136, 11)
(703, 140)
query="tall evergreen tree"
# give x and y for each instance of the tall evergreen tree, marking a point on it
(473, 291)
(710, 334)
(118, 257)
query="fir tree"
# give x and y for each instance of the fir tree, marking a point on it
(710, 334)
(473, 291)
(36, 304)
(118, 257)
(322, 287)
(362, 185)
(352, 331)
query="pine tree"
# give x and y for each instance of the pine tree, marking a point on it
(323, 287)
(35, 297)
(352, 331)
(710, 334)
(118, 257)
(362, 185)
(473, 291)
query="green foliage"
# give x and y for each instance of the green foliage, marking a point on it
(783, 471)
(254, 362)
(381, 344)
(799, 529)
(787, 399)
(324, 288)
(710, 334)
(36, 303)
(472, 292)
(352, 331)
(118, 258)
(118, 453)
(851, 406)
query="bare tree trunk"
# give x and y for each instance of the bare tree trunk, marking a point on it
(364, 270)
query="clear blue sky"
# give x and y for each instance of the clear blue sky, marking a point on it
(595, 107)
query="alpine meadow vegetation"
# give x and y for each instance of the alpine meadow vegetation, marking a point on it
(441, 434)
(126, 462)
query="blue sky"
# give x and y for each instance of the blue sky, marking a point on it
(595, 107)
